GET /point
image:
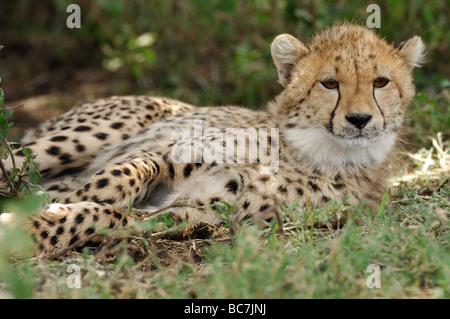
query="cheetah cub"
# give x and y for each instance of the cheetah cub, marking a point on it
(328, 135)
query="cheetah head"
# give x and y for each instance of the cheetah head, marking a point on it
(344, 94)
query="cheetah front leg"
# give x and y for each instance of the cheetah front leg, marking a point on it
(97, 204)
(64, 226)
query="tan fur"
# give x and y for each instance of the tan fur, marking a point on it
(128, 152)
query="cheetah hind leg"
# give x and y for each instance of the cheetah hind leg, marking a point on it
(120, 183)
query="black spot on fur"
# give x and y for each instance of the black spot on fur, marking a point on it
(44, 234)
(132, 182)
(73, 240)
(126, 171)
(313, 186)
(232, 186)
(290, 125)
(187, 170)
(282, 189)
(60, 230)
(198, 165)
(102, 182)
(58, 138)
(49, 222)
(171, 171)
(54, 151)
(246, 205)
(264, 179)
(116, 172)
(214, 200)
(264, 207)
(338, 186)
(79, 218)
(101, 136)
(286, 73)
(45, 171)
(213, 164)
(157, 167)
(117, 125)
(300, 191)
(82, 128)
(19, 154)
(54, 240)
(80, 148)
(89, 231)
(65, 158)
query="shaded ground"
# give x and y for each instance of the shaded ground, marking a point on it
(46, 85)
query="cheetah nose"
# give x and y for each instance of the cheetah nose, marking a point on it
(358, 119)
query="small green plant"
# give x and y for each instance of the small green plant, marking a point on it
(19, 181)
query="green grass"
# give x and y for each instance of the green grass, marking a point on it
(407, 236)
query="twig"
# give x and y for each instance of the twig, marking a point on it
(13, 107)
(278, 216)
(8, 147)
(6, 193)
(11, 186)
(173, 205)
(61, 252)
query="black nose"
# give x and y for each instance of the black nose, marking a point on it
(359, 120)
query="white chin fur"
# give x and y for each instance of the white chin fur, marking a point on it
(325, 150)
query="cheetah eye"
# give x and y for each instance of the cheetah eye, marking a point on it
(330, 84)
(380, 82)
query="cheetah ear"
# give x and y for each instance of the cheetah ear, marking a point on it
(412, 51)
(286, 51)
